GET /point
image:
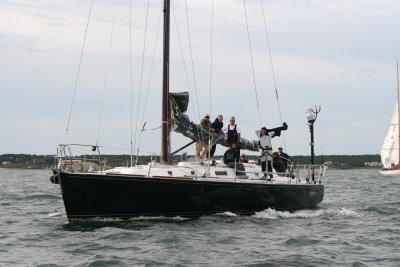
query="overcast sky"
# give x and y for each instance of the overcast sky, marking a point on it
(339, 54)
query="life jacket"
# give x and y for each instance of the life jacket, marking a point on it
(232, 134)
(265, 142)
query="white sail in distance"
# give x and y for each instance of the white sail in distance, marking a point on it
(390, 147)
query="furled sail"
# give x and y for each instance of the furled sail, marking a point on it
(182, 124)
(390, 147)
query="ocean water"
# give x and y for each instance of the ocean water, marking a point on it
(357, 224)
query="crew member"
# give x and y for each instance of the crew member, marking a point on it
(264, 142)
(232, 131)
(217, 125)
(232, 159)
(285, 157)
(205, 124)
(278, 164)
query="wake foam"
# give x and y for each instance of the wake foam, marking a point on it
(55, 214)
(304, 214)
(227, 213)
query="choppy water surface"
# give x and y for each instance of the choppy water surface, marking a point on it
(358, 224)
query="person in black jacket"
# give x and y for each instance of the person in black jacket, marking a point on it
(216, 127)
(285, 157)
(232, 159)
(278, 164)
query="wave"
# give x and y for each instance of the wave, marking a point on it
(387, 209)
(38, 197)
(304, 214)
(56, 214)
(140, 218)
(227, 213)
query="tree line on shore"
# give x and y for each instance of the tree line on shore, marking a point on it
(47, 161)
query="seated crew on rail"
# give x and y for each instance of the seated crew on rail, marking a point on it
(278, 164)
(285, 157)
(232, 159)
(232, 132)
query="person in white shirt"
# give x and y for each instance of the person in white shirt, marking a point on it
(232, 131)
(264, 142)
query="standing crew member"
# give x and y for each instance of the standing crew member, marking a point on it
(264, 142)
(232, 131)
(217, 125)
(205, 124)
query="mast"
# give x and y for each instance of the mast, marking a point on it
(165, 133)
(398, 114)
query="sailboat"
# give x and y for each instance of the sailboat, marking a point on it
(390, 149)
(188, 189)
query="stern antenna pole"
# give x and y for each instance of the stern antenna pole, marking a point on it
(131, 77)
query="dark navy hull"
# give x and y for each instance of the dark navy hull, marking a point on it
(90, 195)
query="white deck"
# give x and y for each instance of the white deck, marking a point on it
(215, 172)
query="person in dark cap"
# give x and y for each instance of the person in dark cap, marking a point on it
(278, 164)
(232, 154)
(285, 157)
(232, 159)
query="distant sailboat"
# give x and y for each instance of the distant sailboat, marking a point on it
(390, 152)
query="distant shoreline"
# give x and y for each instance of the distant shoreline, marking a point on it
(29, 161)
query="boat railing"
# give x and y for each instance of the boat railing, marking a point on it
(66, 160)
(294, 173)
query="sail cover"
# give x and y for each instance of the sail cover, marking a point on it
(390, 147)
(182, 124)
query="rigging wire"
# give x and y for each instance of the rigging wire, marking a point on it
(193, 71)
(79, 68)
(272, 70)
(141, 79)
(131, 78)
(184, 64)
(106, 74)
(148, 84)
(211, 76)
(192, 61)
(252, 63)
